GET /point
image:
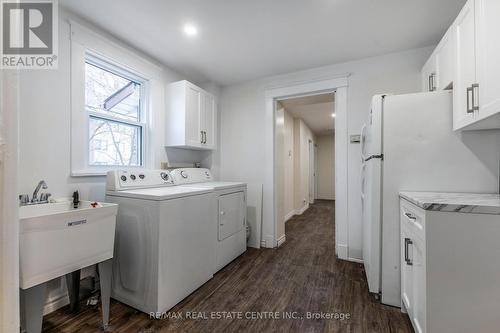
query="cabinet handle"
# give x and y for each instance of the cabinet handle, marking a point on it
(204, 136)
(407, 259)
(201, 140)
(432, 82)
(411, 217)
(475, 88)
(469, 92)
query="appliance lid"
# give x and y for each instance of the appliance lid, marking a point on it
(218, 185)
(161, 193)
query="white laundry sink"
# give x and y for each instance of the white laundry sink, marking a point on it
(56, 239)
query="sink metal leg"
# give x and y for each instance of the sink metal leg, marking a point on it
(32, 302)
(105, 269)
(73, 284)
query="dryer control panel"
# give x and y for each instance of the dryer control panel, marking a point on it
(119, 180)
(191, 175)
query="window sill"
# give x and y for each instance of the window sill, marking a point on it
(88, 173)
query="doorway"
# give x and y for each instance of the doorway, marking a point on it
(304, 164)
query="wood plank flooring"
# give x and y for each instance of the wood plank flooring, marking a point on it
(301, 276)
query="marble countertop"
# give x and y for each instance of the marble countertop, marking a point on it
(477, 203)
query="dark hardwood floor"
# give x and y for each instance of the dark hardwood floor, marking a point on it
(301, 276)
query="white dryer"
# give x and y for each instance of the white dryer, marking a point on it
(164, 243)
(230, 209)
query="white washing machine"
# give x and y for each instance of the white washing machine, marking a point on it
(230, 209)
(164, 243)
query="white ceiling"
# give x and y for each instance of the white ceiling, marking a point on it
(315, 111)
(240, 40)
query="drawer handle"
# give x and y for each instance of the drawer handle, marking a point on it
(411, 217)
(407, 259)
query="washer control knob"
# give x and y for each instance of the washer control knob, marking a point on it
(132, 177)
(164, 176)
(123, 178)
(141, 176)
(184, 174)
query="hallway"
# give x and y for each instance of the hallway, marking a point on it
(301, 276)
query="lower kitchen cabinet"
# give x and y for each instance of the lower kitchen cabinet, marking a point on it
(450, 270)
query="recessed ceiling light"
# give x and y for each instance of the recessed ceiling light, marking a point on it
(190, 30)
(333, 115)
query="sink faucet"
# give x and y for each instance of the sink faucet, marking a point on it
(42, 185)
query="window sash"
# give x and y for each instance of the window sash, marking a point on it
(140, 126)
(116, 69)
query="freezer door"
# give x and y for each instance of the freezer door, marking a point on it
(371, 217)
(372, 145)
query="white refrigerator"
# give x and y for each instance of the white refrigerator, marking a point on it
(408, 144)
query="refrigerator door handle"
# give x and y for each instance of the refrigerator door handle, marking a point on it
(363, 167)
(362, 142)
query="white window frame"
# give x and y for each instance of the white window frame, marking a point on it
(142, 123)
(87, 44)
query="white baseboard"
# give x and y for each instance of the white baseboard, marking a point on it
(267, 242)
(300, 211)
(289, 215)
(359, 261)
(342, 251)
(326, 198)
(281, 240)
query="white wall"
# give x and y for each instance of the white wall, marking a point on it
(44, 140)
(288, 155)
(326, 167)
(303, 134)
(242, 108)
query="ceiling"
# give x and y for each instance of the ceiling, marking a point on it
(316, 111)
(241, 40)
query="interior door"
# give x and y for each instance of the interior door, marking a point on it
(193, 117)
(488, 53)
(231, 214)
(465, 66)
(209, 120)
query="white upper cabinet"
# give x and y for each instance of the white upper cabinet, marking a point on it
(444, 61)
(190, 117)
(465, 66)
(466, 60)
(487, 87)
(429, 74)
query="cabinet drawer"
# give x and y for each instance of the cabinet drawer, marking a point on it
(414, 217)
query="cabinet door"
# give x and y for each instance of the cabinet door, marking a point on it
(488, 57)
(429, 75)
(406, 270)
(417, 249)
(231, 214)
(465, 66)
(445, 61)
(193, 114)
(209, 121)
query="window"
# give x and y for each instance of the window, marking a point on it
(114, 102)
